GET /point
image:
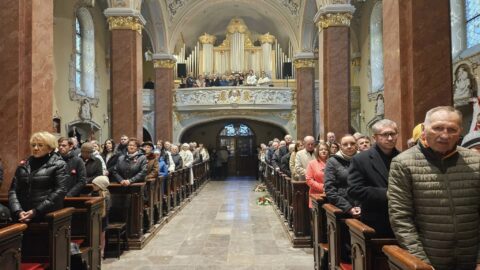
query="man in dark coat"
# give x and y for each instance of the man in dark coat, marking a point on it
(93, 165)
(75, 167)
(368, 175)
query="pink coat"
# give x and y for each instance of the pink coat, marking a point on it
(314, 176)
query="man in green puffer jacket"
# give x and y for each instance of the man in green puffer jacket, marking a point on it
(434, 195)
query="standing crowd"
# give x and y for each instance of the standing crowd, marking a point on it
(427, 197)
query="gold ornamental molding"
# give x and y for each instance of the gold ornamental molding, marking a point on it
(304, 63)
(356, 61)
(334, 19)
(237, 25)
(164, 63)
(207, 39)
(267, 38)
(127, 22)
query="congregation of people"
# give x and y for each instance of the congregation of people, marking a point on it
(59, 168)
(229, 79)
(427, 197)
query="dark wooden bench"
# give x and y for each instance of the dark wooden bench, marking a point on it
(301, 214)
(319, 232)
(10, 246)
(400, 259)
(335, 221)
(366, 247)
(158, 200)
(87, 227)
(149, 205)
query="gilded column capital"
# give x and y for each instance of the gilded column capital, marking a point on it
(267, 38)
(163, 63)
(304, 63)
(207, 39)
(334, 19)
(356, 61)
(125, 22)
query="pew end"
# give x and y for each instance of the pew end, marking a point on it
(10, 245)
(366, 247)
(319, 231)
(335, 220)
(400, 259)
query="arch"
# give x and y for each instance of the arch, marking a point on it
(187, 17)
(243, 118)
(84, 53)
(376, 48)
(155, 26)
(147, 136)
(309, 31)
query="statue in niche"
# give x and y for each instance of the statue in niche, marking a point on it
(85, 112)
(463, 87)
(380, 106)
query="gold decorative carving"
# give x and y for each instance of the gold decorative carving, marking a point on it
(207, 39)
(237, 25)
(248, 42)
(128, 22)
(304, 63)
(334, 19)
(166, 63)
(267, 38)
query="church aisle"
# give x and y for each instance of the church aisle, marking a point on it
(222, 228)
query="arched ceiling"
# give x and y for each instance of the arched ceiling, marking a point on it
(172, 20)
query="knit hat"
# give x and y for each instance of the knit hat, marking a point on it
(417, 132)
(101, 182)
(471, 139)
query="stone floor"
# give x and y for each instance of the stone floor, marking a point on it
(222, 228)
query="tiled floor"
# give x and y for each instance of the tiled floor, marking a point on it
(222, 228)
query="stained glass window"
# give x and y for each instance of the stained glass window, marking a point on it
(78, 55)
(472, 18)
(232, 130)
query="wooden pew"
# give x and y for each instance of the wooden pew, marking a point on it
(319, 232)
(167, 197)
(149, 205)
(366, 248)
(87, 227)
(128, 198)
(158, 200)
(400, 259)
(10, 246)
(301, 215)
(335, 219)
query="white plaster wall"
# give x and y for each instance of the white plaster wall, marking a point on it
(64, 19)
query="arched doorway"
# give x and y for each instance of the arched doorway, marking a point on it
(146, 136)
(215, 133)
(239, 140)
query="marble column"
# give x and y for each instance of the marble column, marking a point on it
(417, 61)
(26, 65)
(305, 72)
(333, 22)
(164, 88)
(126, 72)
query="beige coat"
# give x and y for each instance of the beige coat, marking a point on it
(302, 158)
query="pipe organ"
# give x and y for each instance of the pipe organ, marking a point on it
(237, 53)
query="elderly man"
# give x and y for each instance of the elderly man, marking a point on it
(434, 195)
(304, 156)
(331, 138)
(368, 174)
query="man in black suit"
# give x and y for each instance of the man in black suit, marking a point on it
(368, 177)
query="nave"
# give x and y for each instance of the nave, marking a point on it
(221, 228)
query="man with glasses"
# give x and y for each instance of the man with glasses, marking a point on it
(368, 174)
(434, 195)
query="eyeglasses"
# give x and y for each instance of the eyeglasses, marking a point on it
(387, 134)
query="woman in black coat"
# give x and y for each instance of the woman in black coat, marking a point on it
(132, 167)
(40, 182)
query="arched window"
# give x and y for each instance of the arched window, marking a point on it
(472, 22)
(376, 47)
(84, 54)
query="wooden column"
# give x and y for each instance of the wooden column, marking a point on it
(164, 84)
(305, 77)
(26, 65)
(417, 61)
(333, 22)
(126, 76)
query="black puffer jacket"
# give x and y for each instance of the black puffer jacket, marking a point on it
(336, 184)
(43, 189)
(77, 174)
(132, 168)
(177, 159)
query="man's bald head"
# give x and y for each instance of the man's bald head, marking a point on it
(309, 143)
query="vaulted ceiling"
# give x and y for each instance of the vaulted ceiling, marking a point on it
(172, 21)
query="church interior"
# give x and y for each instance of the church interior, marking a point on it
(227, 74)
